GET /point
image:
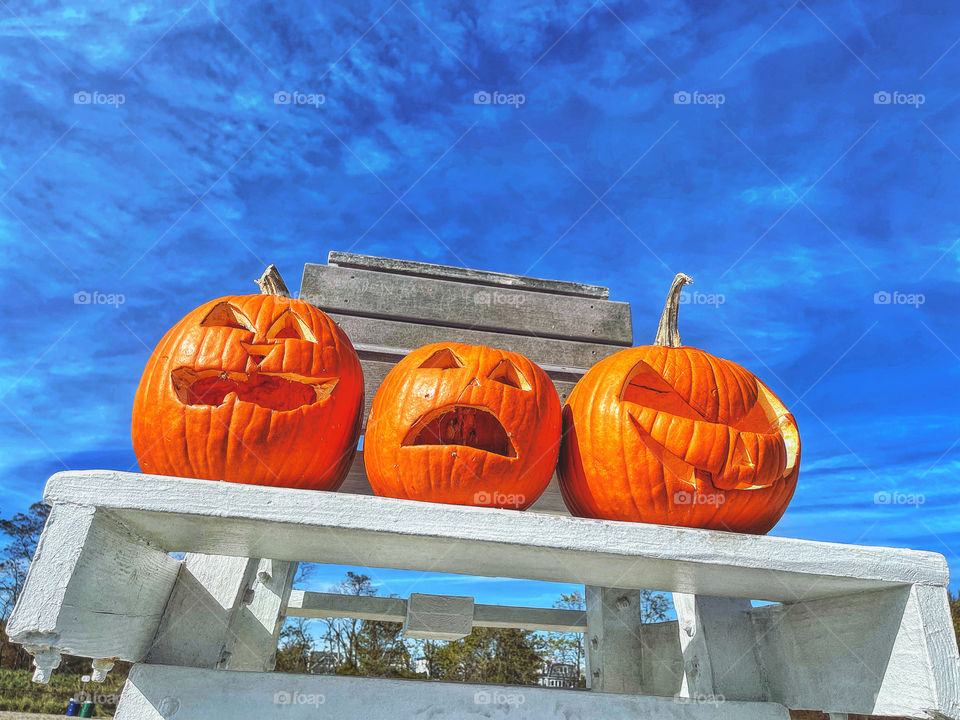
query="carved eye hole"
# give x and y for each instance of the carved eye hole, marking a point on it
(443, 359)
(506, 373)
(292, 326)
(226, 315)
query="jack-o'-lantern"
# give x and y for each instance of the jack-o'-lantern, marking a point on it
(672, 435)
(463, 424)
(258, 389)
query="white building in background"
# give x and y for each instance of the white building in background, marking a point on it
(559, 675)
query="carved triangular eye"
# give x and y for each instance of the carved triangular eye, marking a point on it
(509, 374)
(290, 325)
(443, 359)
(226, 315)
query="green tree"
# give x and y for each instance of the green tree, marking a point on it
(955, 613)
(492, 655)
(22, 533)
(294, 647)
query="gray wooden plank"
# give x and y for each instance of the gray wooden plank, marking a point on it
(478, 277)
(458, 304)
(411, 335)
(304, 603)
(551, 502)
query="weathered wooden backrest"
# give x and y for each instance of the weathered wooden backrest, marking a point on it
(390, 307)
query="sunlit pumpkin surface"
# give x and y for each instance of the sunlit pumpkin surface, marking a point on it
(464, 424)
(677, 436)
(257, 389)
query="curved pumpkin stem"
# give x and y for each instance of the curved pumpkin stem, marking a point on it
(667, 333)
(271, 283)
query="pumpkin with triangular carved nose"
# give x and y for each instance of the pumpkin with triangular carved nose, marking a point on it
(258, 389)
(463, 424)
(673, 435)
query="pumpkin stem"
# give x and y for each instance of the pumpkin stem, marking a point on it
(271, 283)
(667, 333)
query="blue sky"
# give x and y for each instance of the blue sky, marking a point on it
(786, 184)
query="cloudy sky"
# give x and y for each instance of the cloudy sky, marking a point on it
(800, 161)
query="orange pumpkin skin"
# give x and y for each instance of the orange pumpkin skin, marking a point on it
(676, 436)
(463, 424)
(257, 389)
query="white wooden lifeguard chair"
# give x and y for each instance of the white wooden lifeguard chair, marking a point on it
(854, 629)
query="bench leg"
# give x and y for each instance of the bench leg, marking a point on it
(719, 649)
(93, 588)
(225, 613)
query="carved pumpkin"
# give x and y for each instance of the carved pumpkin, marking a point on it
(257, 389)
(673, 435)
(463, 424)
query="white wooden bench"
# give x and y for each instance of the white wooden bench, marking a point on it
(856, 629)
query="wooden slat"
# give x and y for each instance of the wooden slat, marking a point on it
(478, 277)
(180, 514)
(410, 335)
(156, 692)
(551, 502)
(459, 304)
(304, 603)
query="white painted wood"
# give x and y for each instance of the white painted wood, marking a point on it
(614, 640)
(526, 618)
(258, 624)
(93, 589)
(479, 277)
(460, 304)
(256, 521)
(662, 668)
(322, 605)
(867, 653)
(697, 678)
(224, 612)
(718, 644)
(157, 692)
(438, 617)
(101, 667)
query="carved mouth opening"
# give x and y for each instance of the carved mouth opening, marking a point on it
(464, 425)
(276, 391)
